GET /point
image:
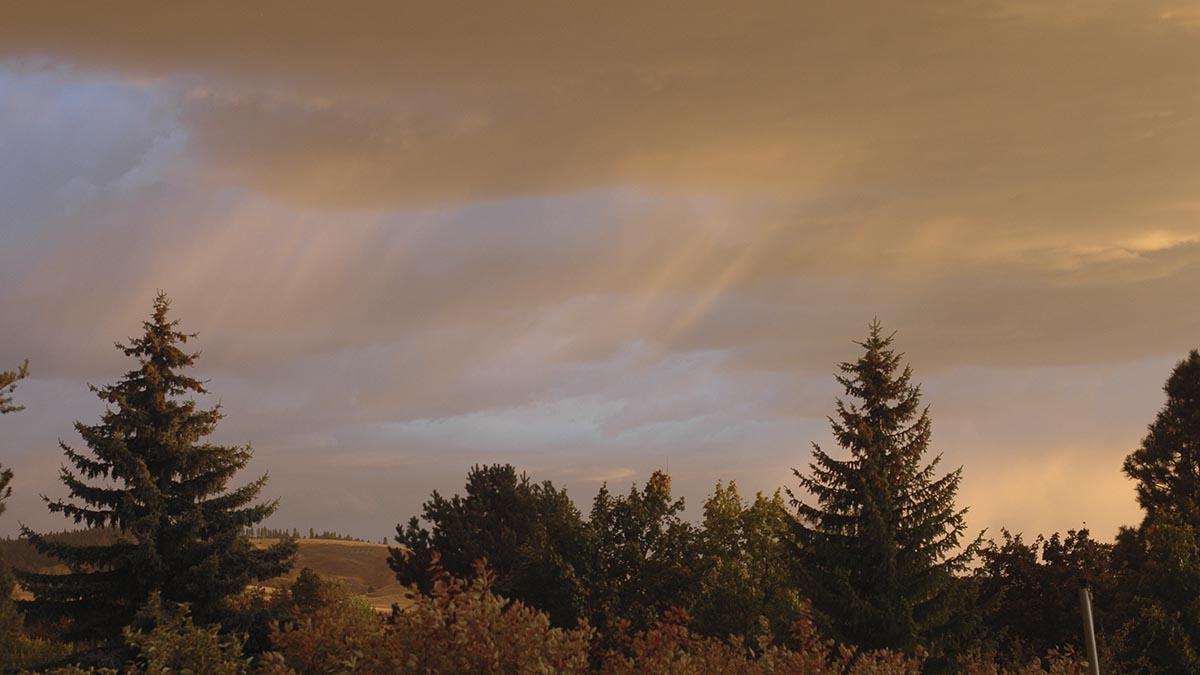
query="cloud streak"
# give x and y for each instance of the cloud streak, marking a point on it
(601, 240)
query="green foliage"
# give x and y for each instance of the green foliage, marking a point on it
(11, 621)
(670, 647)
(163, 487)
(460, 627)
(176, 645)
(531, 535)
(646, 557)
(1159, 568)
(1035, 590)
(1158, 563)
(166, 641)
(880, 548)
(748, 581)
(464, 627)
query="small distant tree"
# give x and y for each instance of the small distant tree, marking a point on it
(881, 546)
(646, 557)
(531, 535)
(152, 478)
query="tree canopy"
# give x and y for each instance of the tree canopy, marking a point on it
(531, 535)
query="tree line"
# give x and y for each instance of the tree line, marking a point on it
(862, 563)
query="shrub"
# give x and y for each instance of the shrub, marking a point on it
(670, 647)
(460, 627)
(176, 645)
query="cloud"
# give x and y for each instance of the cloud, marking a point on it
(600, 240)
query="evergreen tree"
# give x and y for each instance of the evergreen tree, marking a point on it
(880, 548)
(1167, 465)
(8, 382)
(531, 535)
(153, 478)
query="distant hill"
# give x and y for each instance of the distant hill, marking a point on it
(23, 556)
(361, 566)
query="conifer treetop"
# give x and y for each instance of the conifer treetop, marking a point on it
(880, 534)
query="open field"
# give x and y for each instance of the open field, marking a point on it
(361, 566)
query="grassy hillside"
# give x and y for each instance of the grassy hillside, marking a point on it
(361, 566)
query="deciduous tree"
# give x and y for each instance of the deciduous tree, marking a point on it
(531, 535)
(748, 581)
(646, 556)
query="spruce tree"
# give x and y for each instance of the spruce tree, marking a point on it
(1167, 465)
(880, 547)
(155, 482)
(8, 382)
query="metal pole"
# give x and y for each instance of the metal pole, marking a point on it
(1089, 630)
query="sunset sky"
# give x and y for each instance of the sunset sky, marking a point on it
(593, 243)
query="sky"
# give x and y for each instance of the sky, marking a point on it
(595, 241)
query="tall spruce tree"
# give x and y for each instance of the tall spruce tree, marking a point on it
(153, 479)
(880, 547)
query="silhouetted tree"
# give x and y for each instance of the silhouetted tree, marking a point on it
(163, 488)
(1167, 465)
(1158, 563)
(748, 583)
(531, 535)
(646, 556)
(1158, 567)
(1034, 590)
(880, 547)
